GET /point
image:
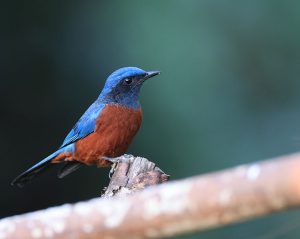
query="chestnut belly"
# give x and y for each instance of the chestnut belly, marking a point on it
(114, 132)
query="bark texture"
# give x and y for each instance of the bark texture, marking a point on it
(132, 174)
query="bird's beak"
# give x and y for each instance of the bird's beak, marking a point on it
(151, 74)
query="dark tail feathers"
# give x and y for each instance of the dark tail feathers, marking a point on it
(35, 170)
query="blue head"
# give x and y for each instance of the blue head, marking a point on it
(123, 86)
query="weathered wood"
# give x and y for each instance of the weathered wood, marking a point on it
(132, 174)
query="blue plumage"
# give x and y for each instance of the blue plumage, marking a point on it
(115, 91)
(110, 94)
(114, 79)
(85, 125)
(40, 166)
(122, 87)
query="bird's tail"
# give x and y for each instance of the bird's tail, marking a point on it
(36, 169)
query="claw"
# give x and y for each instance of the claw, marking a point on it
(115, 161)
(112, 160)
(112, 170)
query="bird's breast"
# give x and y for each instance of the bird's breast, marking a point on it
(115, 128)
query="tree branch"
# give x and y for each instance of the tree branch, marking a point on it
(173, 208)
(133, 174)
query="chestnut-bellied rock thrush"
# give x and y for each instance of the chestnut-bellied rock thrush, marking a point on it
(105, 130)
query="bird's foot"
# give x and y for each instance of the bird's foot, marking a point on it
(112, 170)
(112, 159)
(114, 162)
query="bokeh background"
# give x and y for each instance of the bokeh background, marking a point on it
(229, 92)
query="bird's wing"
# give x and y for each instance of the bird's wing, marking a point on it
(85, 125)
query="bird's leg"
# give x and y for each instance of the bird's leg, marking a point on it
(125, 158)
(114, 162)
(112, 170)
(112, 159)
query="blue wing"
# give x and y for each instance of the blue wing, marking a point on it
(85, 125)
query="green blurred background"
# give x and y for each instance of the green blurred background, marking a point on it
(229, 92)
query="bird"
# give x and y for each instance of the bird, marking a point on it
(105, 130)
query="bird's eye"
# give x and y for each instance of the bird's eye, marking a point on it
(128, 81)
